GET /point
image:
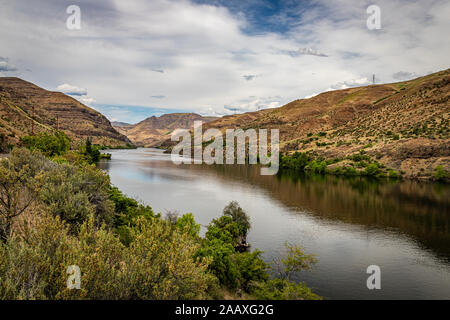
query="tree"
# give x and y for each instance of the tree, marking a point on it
(51, 144)
(294, 260)
(16, 194)
(187, 224)
(239, 216)
(92, 153)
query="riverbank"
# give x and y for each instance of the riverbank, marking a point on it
(348, 222)
(67, 214)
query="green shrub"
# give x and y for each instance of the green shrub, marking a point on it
(239, 216)
(187, 224)
(394, 174)
(73, 193)
(281, 289)
(317, 166)
(350, 171)
(157, 265)
(372, 170)
(50, 144)
(440, 174)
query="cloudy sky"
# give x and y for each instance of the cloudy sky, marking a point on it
(131, 59)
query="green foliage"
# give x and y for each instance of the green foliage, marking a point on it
(232, 268)
(224, 229)
(222, 265)
(350, 171)
(251, 268)
(297, 162)
(440, 174)
(239, 216)
(372, 170)
(19, 182)
(123, 249)
(295, 260)
(73, 193)
(157, 265)
(282, 289)
(394, 174)
(51, 144)
(318, 166)
(127, 210)
(91, 152)
(188, 225)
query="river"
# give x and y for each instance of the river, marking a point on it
(349, 224)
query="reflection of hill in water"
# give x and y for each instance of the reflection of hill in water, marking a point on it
(420, 210)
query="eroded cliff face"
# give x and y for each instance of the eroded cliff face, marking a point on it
(25, 107)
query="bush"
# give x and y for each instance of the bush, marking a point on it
(91, 152)
(350, 171)
(440, 174)
(372, 170)
(317, 166)
(188, 225)
(158, 264)
(50, 144)
(239, 216)
(297, 162)
(394, 174)
(222, 264)
(251, 268)
(19, 182)
(281, 289)
(127, 210)
(73, 193)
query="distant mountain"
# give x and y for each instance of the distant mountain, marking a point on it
(403, 125)
(25, 107)
(154, 130)
(120, 124)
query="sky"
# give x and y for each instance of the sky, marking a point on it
(133, 59)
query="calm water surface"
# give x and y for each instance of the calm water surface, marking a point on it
(349, 224)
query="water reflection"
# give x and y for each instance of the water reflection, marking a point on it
(420, 210)
(348, 223)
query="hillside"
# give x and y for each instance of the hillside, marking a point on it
(154, 130)
(52, 110)
(403, 125)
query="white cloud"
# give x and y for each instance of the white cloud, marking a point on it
(197, 54)
(87, 100)
(351, 83)
(6, 66)
(306, 51)
(71, 90)
(404, 75)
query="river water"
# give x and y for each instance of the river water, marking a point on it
(349, 224)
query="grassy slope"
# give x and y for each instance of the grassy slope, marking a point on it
(51, 110)
(404, 125)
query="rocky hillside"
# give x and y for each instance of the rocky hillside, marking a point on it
(25, 107)
(154, 130)
(403, 125)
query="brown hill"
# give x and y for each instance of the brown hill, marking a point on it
(25, 107)
(404, 125)
(154, 130)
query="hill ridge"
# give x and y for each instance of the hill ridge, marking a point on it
(22, 102)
